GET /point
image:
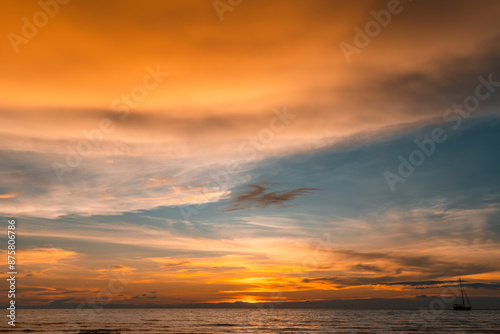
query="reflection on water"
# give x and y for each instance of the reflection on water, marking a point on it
(252, 321)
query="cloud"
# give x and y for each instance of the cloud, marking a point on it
(96, 187)
(115, 269)
(176, 264)
(59, 302)
(351, 281)
(430, 266)
(418, 283)
(398, 268)
(116, 266)
(367, 267)
(197, 140)
(44, 255)
(11, 195)
(490, 286)
(220, 96)
(259, 196)
(431, 284)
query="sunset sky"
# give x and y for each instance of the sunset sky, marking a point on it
(223, 151)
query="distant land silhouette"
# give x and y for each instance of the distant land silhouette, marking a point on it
(424, 302)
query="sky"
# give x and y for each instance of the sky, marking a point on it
(182, 152)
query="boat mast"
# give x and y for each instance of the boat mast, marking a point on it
(462, 291)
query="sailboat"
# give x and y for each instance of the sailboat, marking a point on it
(463, 306)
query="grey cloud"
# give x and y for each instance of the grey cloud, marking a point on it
(259, 196)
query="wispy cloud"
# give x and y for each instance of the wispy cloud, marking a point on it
(10, 195)
(430, 284)
(44, 255)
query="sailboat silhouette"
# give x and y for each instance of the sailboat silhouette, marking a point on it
(463, 306)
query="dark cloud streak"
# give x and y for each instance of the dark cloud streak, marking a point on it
(258, 196)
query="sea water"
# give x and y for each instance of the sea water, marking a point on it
(113, 321)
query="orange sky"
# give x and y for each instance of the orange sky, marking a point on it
(227, 81)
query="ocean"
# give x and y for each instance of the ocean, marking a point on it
(113, 321)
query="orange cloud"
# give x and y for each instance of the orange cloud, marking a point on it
(43, 255)
(11, 195)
